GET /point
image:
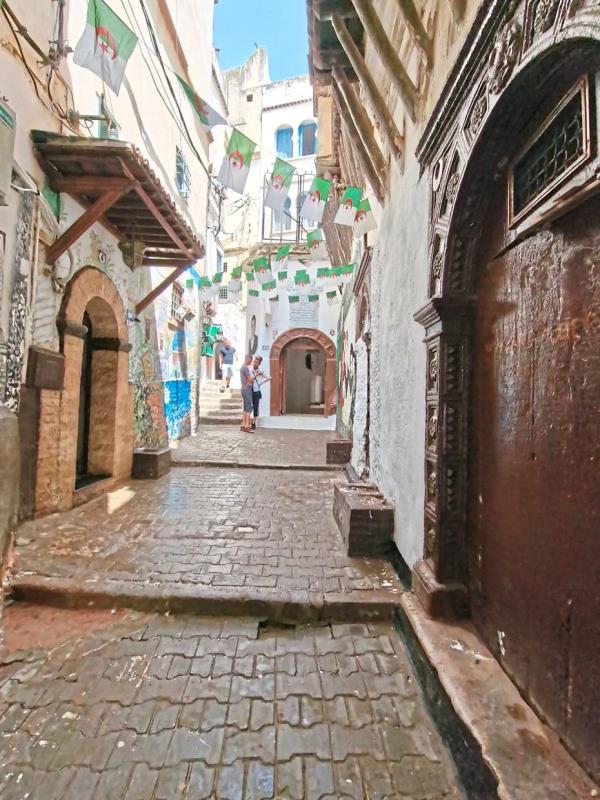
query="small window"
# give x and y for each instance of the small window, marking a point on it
(284, 142)
(282, 220)
(223, 293)
(249, 98)
(307, 138)
(176, 300)
(219, 262)
(183, 178)
(558, 149)
(225, 266)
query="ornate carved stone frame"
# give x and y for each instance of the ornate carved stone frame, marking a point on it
(463, 161)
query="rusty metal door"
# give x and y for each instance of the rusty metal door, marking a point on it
(534, 499)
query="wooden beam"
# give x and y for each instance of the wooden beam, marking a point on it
(158, 290)
(415, 26)
(325, 9)
(164, 262)
(85, 221)
(380, 109)
(81, 184)
(458, 9)
(355, 114)
(387, 53)
(160, 217)
(377, 182)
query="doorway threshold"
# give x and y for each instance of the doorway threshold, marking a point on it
(299, 422)
(84, 481)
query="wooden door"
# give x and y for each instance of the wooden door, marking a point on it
(534, 501)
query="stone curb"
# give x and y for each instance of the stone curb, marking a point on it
(275, 606)
(249, 465)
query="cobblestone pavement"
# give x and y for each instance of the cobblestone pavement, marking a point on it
(213, 533)
(158, 708)
(228, 445)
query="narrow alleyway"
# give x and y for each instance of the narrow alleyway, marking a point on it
(269, 697)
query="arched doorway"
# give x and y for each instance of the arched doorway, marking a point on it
(512, 507)
(302, 373)
(86, 428)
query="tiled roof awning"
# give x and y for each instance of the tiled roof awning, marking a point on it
(118, 188)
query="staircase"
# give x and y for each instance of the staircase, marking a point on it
(219, 408)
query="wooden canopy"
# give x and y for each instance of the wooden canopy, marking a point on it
(118, 188)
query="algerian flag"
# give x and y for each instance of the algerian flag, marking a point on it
(106, 44)
(322, 275)
(302, 281)
(206, 289)
(206, 114)
(346, 213)
(282, 277)
(279, 185)
(269, 288)
(249, 273)
(316, 245)
(365, 219)
(281, 256)
(346, 273)
(313, 206)
(217, 278)
(254, 293)
(262, 273)
(236, 164)
(294, 298)
(331, 297)
(235, 284)
(313, 298)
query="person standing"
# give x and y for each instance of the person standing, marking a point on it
(259, 380)
(227, 359)
(247, 378)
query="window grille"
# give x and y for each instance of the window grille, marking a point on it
(558, 149)
(183, 178)
(223, 293)
(176, 300)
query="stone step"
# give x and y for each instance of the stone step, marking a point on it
(222, 419)
(271, 604)
(230, 408)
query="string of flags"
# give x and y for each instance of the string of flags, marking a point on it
(105, 48)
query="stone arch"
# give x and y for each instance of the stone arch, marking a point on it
(277, 371)
(110, 430)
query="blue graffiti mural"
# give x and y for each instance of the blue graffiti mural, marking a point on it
(178, 408)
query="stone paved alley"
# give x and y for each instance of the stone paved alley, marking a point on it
(145, 706)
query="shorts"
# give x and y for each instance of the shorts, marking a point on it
(227, 370)
(247, 400)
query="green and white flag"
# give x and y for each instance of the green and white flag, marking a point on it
(236, 164)
(249, 273)
(262, 273)
(322, 275)
(313, 298)
(235, 284)
(302, 282)
(207, 116)
(205, 287)
(346, 273)
(365, 219)
(313, 206)
(281, 256)
(346, 213)
(282, 277)
(294, 298)
(106, 44)
(217, 278)
(331, 297)
(254, 293)
(269, 288)
(316, 245)
(279, 185)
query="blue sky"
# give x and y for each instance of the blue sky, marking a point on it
(277, 25)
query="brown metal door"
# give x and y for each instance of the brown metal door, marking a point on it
(534, 504)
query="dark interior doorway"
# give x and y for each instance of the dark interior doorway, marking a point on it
(85, 401)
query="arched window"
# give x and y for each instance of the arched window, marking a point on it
(282, 220)
(307, 139)
(284, 142)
